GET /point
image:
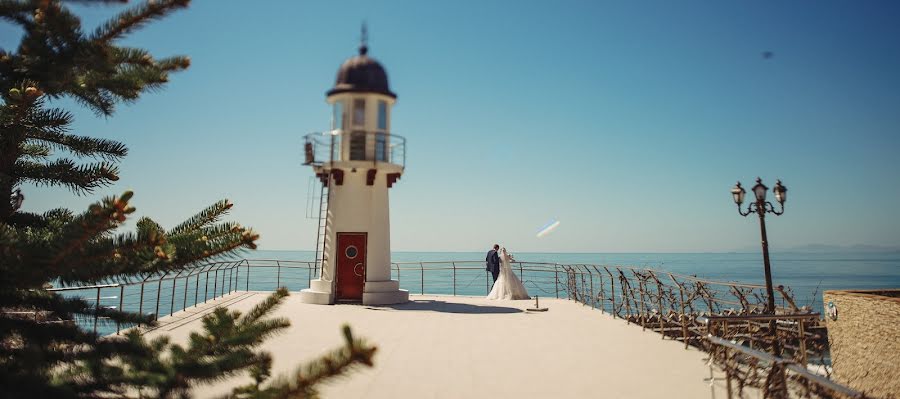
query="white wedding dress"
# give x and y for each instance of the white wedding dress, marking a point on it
(507, 285)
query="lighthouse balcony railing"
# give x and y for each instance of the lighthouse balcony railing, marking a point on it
(320, 148)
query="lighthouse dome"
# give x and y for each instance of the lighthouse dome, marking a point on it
(361, 74)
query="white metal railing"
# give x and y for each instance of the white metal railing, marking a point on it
(346, 145)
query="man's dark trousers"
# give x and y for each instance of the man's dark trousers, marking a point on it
(492, 263)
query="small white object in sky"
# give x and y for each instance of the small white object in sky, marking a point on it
(550, 226)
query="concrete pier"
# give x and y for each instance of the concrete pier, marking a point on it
(455, 347)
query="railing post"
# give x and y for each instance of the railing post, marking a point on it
(802, 342)
(97, 310)
(727, 374)
(588, 290)
(215, 282)
(422, 269)
(683, 318)
(591, 276)
(230, 277)
(223, 282)
(556, 278)
(659, 294)
(172, 305)
(158, 294)
(197, 289)
(141, 300)
(121, 304)
(600, 292)
(454, 278)
(629, 297)
(643, 303)
(278, 279)
(584, 288)
(749, 326)
(206, 288)
(184, 302)
(612, 294)
(248, 274)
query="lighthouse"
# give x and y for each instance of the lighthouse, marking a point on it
(357, 162)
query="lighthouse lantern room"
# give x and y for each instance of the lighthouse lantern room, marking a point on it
(357, 162)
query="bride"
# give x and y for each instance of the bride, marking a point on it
(507, 285)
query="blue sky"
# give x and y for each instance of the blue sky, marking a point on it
(627, 121)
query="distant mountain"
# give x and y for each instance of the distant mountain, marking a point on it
(846, 248)
(827, 248)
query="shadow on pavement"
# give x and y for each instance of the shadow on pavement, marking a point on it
(448, 307)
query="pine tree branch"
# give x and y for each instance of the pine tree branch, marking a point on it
(15, 11)
(46, 333)
(23, 219)
(100, 218)
(174, 64)
(95, 257)
(35, 151)
(246, 239)
(82, 146)
(53, 119)
(132, 55)
(101, 102)
(331, 366)
(135, 18)
(263, 308)
(41, 301)
(96, 2)
(107, 262)
(49, 126)
(204, 218)
(81, 179)
(223, 348)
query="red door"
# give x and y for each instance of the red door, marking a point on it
(351, 265)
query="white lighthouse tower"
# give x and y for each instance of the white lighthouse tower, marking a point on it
(357, 162)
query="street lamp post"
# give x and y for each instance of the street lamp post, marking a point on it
(761, 207)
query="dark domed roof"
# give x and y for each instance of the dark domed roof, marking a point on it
(361, 74)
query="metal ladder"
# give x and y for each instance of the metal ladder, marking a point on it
(322, 241)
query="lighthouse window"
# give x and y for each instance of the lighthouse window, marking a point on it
(382, 115)
(358, 146)
(380, 147)
(337, 123)
(359, 112)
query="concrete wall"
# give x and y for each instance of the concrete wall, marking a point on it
(865, 339)
(358, 208)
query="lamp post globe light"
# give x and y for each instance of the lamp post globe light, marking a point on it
(760, 206)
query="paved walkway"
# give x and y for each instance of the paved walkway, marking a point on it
(468, 347)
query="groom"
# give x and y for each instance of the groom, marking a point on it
(493, 262)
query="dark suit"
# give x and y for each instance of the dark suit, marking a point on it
(492, 260)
